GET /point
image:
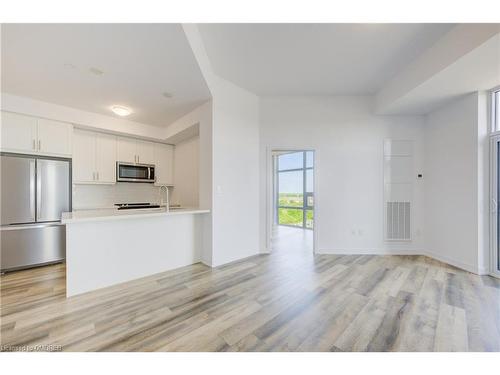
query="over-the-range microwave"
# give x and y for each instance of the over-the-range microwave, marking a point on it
(131, 172)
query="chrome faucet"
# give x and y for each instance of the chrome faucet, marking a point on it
(167, 194)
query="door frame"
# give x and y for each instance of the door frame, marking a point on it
(494, 196)
(270, 192)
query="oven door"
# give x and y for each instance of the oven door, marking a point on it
(127, 172)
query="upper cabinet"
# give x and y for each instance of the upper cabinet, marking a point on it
(18, 133)
(32, 135)
(54, 137)
(145, 152)
(84, 155)
(135, 151)
(164, 162)
(127, 150)
(106, 145)
(94, 158)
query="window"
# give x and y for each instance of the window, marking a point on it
(295, 189)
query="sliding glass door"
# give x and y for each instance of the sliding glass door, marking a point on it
(295, 189)
(495, 183)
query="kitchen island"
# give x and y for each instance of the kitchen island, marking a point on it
(105, 247)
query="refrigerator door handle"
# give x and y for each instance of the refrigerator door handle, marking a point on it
(38, 195)
(32, 189)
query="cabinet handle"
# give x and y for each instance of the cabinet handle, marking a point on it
(39, 145)
(97, 176)
(34, 144)
(93, 176)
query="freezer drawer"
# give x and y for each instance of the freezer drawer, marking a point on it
(26, 246)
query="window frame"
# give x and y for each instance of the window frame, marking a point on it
(493, 112)
(494, 120)
(305, 207)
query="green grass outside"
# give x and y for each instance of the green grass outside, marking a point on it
(290, 216)
(291, 200)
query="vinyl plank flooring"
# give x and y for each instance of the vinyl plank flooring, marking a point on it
(289, 300)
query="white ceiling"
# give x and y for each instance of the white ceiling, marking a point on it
(140, 62)
(315, 59)
(478, 70)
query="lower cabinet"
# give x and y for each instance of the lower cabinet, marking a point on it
(94, 157)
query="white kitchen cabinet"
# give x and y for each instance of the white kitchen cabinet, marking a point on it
(145, 152)
(127, 150)
(54, 137)
(132, 150)
(164, 162)
(94, 157)
(32, 135)
(84, 156)
(106, 158)
(18, 133)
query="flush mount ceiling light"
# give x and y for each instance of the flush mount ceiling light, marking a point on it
(121, 110)
(167, 95)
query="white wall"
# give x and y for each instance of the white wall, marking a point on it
(456, 184)
(348, 139)
(102, 196)
(235, 162)
(186, 173)
(201, 118)
(235, 173)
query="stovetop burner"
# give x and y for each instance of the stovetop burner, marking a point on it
(132, 206)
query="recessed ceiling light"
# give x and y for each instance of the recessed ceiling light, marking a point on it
(167, 95)
(121, 110)
(97, 72)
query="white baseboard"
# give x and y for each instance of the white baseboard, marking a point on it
(430, 254)
(213, 265)
(465, 266)
(369, 252)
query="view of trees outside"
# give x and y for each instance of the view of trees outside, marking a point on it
(293, 168)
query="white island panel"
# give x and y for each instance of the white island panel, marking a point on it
(102, 253)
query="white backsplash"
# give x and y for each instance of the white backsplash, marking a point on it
(101, 196)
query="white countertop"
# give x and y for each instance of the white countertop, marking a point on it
(105, 214)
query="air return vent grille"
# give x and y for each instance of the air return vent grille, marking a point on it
(398, 221)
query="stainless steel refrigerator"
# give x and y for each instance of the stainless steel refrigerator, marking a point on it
(34, 192)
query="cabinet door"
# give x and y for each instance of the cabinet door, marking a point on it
(145, 152)
(106, 158)
(164, 161)
(84, 156)
(18, 133)
(127, 150)
(54, 137)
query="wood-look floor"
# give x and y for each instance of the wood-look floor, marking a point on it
(287, 301)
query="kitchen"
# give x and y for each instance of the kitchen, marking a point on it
(89, 146)
(58, 177)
